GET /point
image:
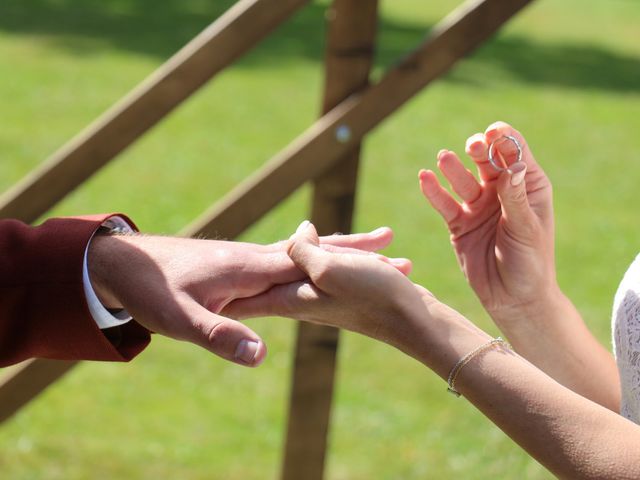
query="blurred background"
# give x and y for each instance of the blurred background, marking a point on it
(566, 73)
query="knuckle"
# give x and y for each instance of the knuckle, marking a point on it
(323, 274)
(292, 248)
(219, 335)
(330, 248)
(519, 196)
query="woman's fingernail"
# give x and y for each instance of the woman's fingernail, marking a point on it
(379, 231)
(398, 261)
(473, 147)
(246, 350)
(303, 226)
(518, 171)
(491, 132)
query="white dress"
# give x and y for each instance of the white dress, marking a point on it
(626, 340)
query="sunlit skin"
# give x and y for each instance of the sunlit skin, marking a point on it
(555, 393)
(503, 237)
(508, 263)
(571, 435)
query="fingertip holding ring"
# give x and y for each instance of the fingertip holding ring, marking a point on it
(492, 159)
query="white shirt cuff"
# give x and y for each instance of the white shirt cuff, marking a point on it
(103, 317)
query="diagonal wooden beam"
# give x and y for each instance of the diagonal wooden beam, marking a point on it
(348, 59)
(340, 130)
(219, 45)
(25, 381)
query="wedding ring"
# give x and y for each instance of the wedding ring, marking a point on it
(492, 159)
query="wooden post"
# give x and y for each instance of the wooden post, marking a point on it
(349, 52)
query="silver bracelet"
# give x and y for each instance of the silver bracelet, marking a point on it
(453, 375)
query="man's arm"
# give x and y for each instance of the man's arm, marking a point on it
(43, 311)
(172, 286)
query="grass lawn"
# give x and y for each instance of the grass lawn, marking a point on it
(565, 72)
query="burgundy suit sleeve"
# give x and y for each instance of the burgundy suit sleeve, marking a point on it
(43, 309)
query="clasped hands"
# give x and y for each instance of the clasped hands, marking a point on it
(178, 287)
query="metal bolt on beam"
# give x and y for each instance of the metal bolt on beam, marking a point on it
(343, 133)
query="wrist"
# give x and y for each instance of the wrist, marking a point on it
(545, 308)
(102, 260)
(439, 335)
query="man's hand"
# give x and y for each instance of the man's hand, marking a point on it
(177, 287)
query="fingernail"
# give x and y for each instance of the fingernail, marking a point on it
(469, 143)
(442, 152)
(518, 171)
(379, 231)
(303, 226)
(423, 175)
(398, 261)
(491, 132)
(246, 350)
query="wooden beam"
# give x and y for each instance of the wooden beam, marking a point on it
(341, 130)
(25, 381)
(349, 57)
(220, 44)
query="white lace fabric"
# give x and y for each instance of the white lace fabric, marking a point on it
(626, 340)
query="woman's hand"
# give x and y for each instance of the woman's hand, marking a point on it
(503, 236)
(355, 292)
(502, 232)
(368, 296)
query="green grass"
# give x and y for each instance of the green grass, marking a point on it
(565, 72)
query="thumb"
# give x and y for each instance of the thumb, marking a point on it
(304, 250)
(512, 192)
(226, 338)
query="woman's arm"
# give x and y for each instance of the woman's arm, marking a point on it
(569, 434)
(503, 236)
